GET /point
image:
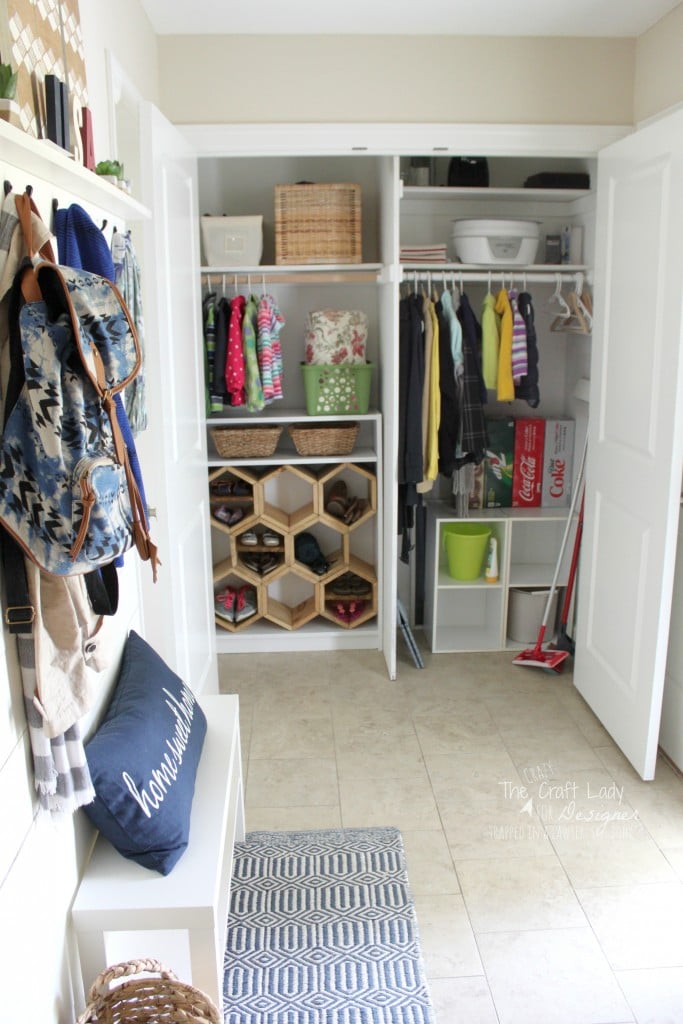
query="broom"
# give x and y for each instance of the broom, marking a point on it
(536, 657)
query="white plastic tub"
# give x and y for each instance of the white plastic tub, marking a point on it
(232, 241)
(487, 243)
(525, 613)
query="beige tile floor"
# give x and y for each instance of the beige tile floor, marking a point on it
(547, 877)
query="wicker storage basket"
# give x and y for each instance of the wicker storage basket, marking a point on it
(318, 224)
(158, 999)
(324, 439)
(246, 442)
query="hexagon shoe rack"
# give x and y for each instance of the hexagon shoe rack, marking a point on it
(286, 501)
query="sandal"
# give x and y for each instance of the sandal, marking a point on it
(245, 605)
(336, 500)
(224, 604)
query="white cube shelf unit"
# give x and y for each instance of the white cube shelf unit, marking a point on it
(463, 615)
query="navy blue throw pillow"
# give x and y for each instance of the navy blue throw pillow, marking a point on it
(143, 760)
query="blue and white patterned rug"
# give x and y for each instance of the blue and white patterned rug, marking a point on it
(322, 930)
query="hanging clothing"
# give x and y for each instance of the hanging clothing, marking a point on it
(519, 354)
(450, 305)
(411, 384)
(505, 387)
(490, 341)
(214, 401)
(234, 368)
(128, 280)
(474, 438)
(528, 388)
(449, 423)
(270, 323)
(252, 383)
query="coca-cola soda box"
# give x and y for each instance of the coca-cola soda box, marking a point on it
(496, 487)
(527, 470)
(558, 463)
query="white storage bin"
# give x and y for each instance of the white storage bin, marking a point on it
(512, 243)
(232, 241)
(525, 612)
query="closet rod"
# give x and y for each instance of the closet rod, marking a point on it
(321, 277)
(550, 277)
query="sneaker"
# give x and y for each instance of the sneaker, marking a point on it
(252, 562)
(245, 605)
(270, 539)
(268, 563)
(222, 513)
(249, 538)
(224, 604)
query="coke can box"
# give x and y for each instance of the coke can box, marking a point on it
(558, 463)
(493, 478)
(527, 473)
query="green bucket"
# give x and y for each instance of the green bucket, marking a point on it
(466, 545)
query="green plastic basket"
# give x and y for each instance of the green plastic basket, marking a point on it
(334, 390)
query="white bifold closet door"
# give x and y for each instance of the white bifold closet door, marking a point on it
(179, 618)
(635, 453)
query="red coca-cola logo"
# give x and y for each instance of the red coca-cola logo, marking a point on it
(527, 472)
(557, 478)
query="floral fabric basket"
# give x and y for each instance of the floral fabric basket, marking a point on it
(336, 337)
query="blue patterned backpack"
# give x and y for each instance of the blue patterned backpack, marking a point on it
(68, 495)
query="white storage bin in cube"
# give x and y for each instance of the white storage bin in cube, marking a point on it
(525, 612)
(488, 243)
(232, 241)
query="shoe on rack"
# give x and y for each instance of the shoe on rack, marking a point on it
(222, 513)
(252, 561)
(270, 539)
(268, 563)
(224, 604)
(241, 489)
(249, 538)
(245, 605)
(336, 499)
(222, 488)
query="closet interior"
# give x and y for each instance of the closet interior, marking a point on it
(406, 246)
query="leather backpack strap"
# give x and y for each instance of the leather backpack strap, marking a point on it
(25, 209)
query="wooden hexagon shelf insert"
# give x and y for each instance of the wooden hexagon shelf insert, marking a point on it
(350, 599)
(328, 539)
(233, 496)
(235, 582)
(290, 601)
(288, 498)
(347, 495)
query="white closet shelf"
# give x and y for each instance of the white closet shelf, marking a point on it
(43, 159)
(538, 195)
(321, 273)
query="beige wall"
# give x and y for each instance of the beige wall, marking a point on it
(252, 79)
(122, 29)
(659, 67)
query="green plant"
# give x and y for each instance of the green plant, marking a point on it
(8, 82)
(113, 167)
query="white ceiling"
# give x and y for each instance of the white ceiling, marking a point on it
(407, 17)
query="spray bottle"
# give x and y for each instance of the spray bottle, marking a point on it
(491, 573)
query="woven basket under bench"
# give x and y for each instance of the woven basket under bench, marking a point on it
(157, 999)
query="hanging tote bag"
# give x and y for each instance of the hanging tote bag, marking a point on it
(68, 496)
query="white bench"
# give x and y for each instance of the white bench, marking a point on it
(118, 895)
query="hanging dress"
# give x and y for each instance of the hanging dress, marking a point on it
(252, 377)
(234, 367)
